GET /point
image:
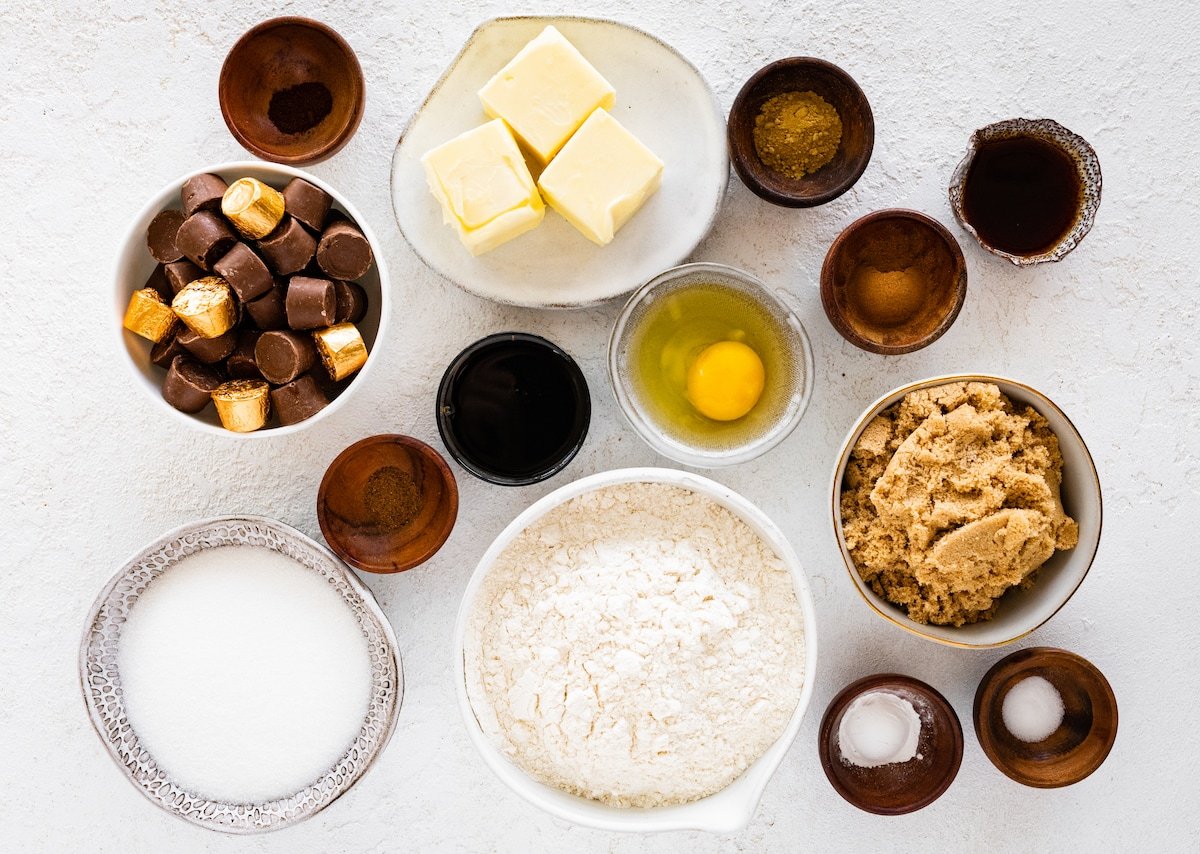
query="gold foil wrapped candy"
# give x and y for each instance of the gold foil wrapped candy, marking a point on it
(148, 315)
(341, 349)
(253, 207)
(207, 307)
(243, 405)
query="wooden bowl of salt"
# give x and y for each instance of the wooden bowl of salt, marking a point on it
(387, 503)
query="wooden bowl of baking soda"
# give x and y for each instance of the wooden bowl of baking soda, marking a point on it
(1046, 717)
(890, 744)
(893, 282)
(387, 503)
(292, 91)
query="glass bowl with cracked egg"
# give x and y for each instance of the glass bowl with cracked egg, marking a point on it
(984, 525)
(667, 705)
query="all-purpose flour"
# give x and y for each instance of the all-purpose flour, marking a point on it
(639, 645)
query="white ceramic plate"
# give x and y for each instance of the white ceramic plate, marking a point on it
(661, 98)
(726, 811)
(101, 679)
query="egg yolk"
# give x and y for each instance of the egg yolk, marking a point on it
(725, 380)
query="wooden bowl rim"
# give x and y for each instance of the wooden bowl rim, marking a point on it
(448, 519)
(328, 147)
(748, 166)
(829, 304)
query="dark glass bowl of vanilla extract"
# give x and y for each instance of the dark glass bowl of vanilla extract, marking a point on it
(1028, 190)
(513, 409)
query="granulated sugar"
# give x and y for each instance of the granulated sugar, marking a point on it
(245, 674)
(639, 645)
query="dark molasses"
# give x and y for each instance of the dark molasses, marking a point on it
(1022, 194)
(513, 408)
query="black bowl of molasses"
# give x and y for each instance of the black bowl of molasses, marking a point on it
(513, 409)
(1028, 190)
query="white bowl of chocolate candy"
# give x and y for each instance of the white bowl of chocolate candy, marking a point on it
(249, 298)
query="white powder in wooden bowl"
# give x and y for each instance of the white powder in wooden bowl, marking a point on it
(639, 645)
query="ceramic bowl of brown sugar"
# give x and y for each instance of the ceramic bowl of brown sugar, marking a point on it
(292, 91)
(893, 282)
(387, 503)
(790, 180)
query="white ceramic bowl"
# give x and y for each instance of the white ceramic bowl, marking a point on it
(134, 265)
(726, 811)
(1021, 611)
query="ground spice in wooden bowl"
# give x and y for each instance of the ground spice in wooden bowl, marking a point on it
(797, 133)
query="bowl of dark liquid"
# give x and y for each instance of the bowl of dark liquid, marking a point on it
(1028, 190)
(513, 408)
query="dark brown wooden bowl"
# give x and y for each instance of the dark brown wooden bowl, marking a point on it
(897, 788)
(895, 239)
(1081, 743)
(802, 74)
(350, 528)
(274, 56)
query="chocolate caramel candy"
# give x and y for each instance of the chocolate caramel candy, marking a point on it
(341, 349)
(311, 303)
(242, 364)
(164, 352)
(208, 350)
(149, 315)
(242, 405)
(181, 274)
(189, 385)
(204, 237)
(306, 203)
(351, 302)
(202, 193)
(245, 272)
(162, 235)
(289, 248)
(268, 312)
(159, 284)
(300, 399)
(207, 306)
(253, 207)
(282, 356)
(344, 252)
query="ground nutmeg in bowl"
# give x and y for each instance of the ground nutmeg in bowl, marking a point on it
(951, 499)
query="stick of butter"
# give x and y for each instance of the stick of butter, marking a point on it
(544, 94)
(484, 187)
(601, 177)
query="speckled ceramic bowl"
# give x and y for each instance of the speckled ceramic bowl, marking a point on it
(1020, 611)
(726, 811)
(1075, 146)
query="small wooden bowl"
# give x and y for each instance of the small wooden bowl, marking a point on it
(897, 788)
(1081, 743)
(887, 321)
(352, 530)
(802, 74)
(274, 56)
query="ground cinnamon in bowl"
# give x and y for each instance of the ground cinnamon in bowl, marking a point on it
(392, 498)
(893, 282)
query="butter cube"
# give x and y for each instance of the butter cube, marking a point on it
(484, 187)
(544, 94)
(601, 177)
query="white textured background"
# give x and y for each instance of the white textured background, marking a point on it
(104, 102)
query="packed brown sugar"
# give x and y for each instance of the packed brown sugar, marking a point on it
(951, 499)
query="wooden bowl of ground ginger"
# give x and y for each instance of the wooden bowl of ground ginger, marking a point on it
(967, 508)
(801, 132)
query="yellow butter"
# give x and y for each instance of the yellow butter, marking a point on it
(601, 177)
(545, 93)
(484, 186)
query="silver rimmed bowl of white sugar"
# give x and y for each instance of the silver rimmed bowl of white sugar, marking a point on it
(636, 651)
(239, 674)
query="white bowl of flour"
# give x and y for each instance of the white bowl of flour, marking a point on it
(636, 652)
